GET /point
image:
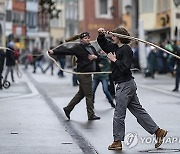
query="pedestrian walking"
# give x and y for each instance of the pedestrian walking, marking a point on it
(2, 58)
(10, 61)
(86, 62)
(37, 59)
(170, 58)
(74, 67)
(27, 58)
(104, 66)
(177, 66)
(62, 63)
(152, 62)
(121, 54)
(50, 65)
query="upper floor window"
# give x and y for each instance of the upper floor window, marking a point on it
(58, 22)
(163, 5)
(102, 8)
(146, 6)
(18, 17)
(31, 19)
(8, 15)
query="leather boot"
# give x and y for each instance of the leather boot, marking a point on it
(160, 134)
(116, 145)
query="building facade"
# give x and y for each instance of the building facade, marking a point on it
(32, 39)
(57, 24)
(8, 23)
(19, 22)
(71, 17)
(160, 19)
(175, 23)
(99, 13)
(2, 23)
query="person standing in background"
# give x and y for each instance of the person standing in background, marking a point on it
(2, 58)
(62, 62)
(177, 66)
(10, 61)
(104, 66)
(37, 59)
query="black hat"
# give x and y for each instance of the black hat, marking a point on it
(84, 34)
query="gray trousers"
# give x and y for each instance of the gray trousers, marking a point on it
(126, 97)
(9, 69)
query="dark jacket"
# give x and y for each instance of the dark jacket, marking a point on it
(177, 52)
(2, 58)
(121, 67)
(105, 67)
(80, 51)
(152, 61)
(10, 58)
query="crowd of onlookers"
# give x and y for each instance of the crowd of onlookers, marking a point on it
(11, 57)
(158, 61)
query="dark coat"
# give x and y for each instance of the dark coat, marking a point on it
(152, 61)
(177, 52)
(80, 51)
(10, 58)
(105, 67)
(2, 58)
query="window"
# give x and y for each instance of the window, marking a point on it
(146, 6)
(8, 15)
(163, 5)
(57, 22)
(102, 8)
(31, 19)
(18, 17)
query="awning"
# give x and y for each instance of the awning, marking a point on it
(158, 30)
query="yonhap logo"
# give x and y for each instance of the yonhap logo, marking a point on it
(131, 139)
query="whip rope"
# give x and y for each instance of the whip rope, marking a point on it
(73, 72)
(143, 41)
